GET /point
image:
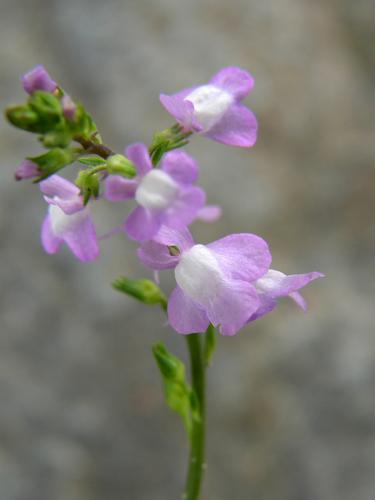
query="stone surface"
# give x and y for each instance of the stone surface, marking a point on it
(292, 413)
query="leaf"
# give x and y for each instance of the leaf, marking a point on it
(177, 392)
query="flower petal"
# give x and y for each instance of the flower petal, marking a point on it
(51, 243)
(234, 80)
(81, 239)
(116, 188)
(184, 315)
(267, 304)
(181, 167)
(242, 256)
(185, 208)
(155, 254)
(56, 185)
(142, 224)
(237, 127)
(181, 110)
(209, 213)
(38, 79)
(138, 154)
(277, 284)
(69, 206)
(232, 307)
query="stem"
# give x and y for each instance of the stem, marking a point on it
(94, 148)
(197, 440)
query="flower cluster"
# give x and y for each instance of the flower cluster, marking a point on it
(227, 283)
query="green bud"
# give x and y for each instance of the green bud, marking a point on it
(92, 161)
(57, 138)
(120, 165)
(178, 394)
(144, 290)
(45, 103)
(23, 117)
(88, 182)
(54, 160)
(170, 366)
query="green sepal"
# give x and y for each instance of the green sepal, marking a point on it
(54, 160)
(83, 125)
(57, 138)
(210, 344)
(167, 140)
(178, 393)
(144, 290)
(120, 165)
(92, 161)
(89, 184)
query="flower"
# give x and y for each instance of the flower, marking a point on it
(215, 282)
(27, 169)
(69, 107)
(227, 283)
(38, 79)
(68, 220)
(275, 284)
(215, 110)
(165, 195)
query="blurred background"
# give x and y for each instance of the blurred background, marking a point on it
(291, 397)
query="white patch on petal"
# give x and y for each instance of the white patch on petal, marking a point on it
(156, 191)
(198, 274)
(269, 281)
(210, 104)
(62, 223)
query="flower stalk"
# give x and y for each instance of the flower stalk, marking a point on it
(197, 464)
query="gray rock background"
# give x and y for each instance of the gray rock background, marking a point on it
(291, 398)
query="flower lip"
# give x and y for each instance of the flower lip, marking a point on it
(210, 104)
(61, 222)
(156, 190)
(199, 275)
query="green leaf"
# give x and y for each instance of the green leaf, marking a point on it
(144, 290)
(210, 344)
(178, 393)
(92, 161)
(53, 161)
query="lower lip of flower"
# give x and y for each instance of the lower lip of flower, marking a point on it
(61, 222)
(156, 191)
(198, 274)
(210, 104)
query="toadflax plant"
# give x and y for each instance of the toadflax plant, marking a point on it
(221, 286)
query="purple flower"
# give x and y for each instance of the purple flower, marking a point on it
(275, 284)
(38, 79)
(215, 282)
(68, 220)
(165, 195)
(69, 107)
(215, 110)
(27, 169)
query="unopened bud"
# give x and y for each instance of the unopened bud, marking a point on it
(120, 165)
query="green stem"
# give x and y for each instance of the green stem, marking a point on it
(197, 440)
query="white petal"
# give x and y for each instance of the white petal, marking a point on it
(210, 104)
(156, 191)
(198, 274)
(62, 223)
